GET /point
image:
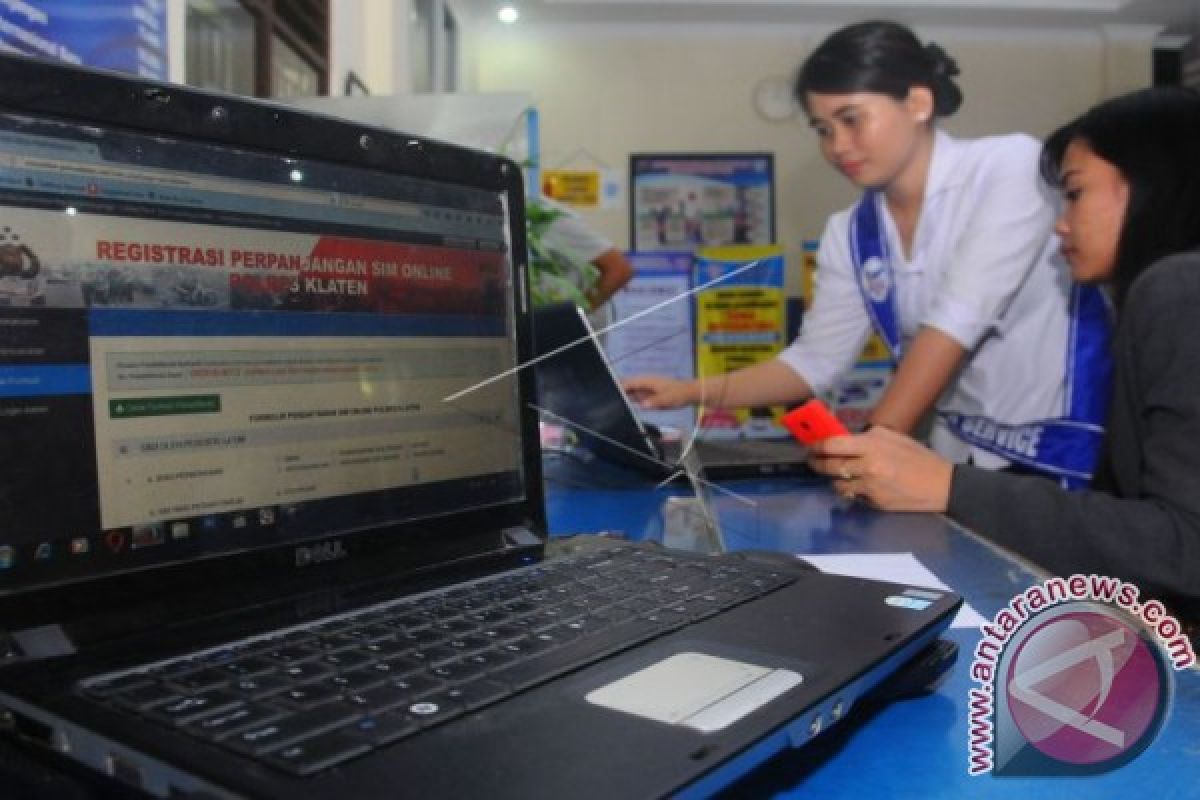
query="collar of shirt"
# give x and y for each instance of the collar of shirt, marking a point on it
(943, 164)
(943, 176)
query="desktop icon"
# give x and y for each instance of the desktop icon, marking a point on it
(239, 522)
(266, 516)
(115, 540)
(44, 551)
(80, 546)
(7, 555)
(179, 530)
(146, 536)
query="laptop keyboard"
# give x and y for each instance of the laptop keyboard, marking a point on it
(311, 697)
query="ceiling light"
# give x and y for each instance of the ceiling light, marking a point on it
(508, 14)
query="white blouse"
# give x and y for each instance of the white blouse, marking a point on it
(568, 234)
(984, 269)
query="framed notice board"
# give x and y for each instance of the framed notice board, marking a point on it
(681, 201)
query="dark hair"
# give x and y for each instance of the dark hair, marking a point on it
(1152, 137)
(881, 57)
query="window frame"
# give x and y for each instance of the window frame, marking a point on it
(284, 18)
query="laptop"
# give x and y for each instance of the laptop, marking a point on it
(272, 502)
(578, 389)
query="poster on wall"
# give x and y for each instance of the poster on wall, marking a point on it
(654, 331)
(681, 201)
(586, 189)
(739, 323)
(125, 35)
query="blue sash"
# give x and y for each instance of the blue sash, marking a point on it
(869, 250)
(1066, 448)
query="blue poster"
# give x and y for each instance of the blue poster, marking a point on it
(125, 35)
(653, 334)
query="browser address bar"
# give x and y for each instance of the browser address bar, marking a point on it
(184, 181)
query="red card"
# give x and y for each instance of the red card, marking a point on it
(813, 422)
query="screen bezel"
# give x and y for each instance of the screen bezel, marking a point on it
(99, 98)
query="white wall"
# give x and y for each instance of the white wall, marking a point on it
(469, 45)
(368, 37)
(176, 40)
(612, 90)
(371, 37)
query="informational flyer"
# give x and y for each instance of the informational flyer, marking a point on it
(659, 342)
(740, 322)
(684, 201)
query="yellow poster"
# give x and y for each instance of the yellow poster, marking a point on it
(576, 187)
(739, 323)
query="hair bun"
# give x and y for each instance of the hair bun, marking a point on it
(940, 61)
(947, 97)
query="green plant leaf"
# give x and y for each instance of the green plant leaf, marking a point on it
(555, 276)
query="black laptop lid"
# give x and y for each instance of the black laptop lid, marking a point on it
(227, 332)
(579, 391)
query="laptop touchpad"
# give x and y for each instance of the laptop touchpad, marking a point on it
(697, 691)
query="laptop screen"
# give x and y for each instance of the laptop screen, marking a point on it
(578, 390)
(207, 349)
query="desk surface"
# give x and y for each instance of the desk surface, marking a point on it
(913, 748)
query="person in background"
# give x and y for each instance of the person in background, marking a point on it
(566, 239)
(950, 255)
(1129, 170)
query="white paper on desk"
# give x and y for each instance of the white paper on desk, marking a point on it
(894, 568)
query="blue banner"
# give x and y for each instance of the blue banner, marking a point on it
(876, 281)
(125, 35)
(145, 322)
(45, 379)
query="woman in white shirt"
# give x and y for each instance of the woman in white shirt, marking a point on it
(950, 256)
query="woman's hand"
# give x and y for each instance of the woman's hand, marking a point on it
(889, 470)
(652, 392)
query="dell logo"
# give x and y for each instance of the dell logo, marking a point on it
(321, 552)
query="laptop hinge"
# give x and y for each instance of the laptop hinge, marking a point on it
(10, 651)
(46, 641)
(521, 536)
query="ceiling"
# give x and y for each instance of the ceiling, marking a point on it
(1174, 16)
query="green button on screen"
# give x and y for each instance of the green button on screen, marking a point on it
(163, 406)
